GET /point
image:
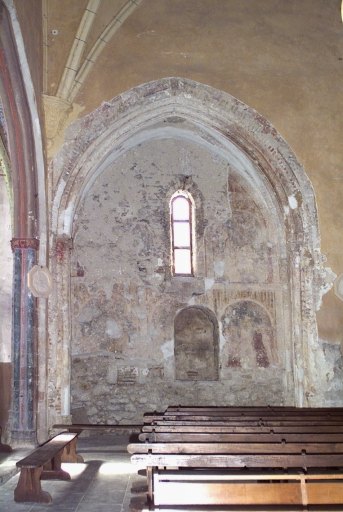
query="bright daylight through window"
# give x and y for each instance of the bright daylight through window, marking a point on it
(181, 210)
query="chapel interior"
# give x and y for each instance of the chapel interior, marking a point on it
(171, 208)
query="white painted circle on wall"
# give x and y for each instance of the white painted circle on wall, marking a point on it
(39, 281)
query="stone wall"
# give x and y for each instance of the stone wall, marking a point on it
(125, 301)
(121, 319)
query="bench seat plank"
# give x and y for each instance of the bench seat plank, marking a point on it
(270, 460)
(246, 409)
(234, 448)
(79, 427)
(259, 437)
(46, 452)
(327, 429)
(250, 418)
(244, 423)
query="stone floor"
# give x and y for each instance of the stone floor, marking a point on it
(105, 482)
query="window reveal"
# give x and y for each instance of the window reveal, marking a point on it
(182, 220)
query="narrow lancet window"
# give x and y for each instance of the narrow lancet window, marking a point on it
(182, 220)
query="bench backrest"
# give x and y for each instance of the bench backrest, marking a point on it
(257, 437)
(233, 448)
(307, 461)
(243, 429)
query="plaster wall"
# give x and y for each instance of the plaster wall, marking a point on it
(30, 19)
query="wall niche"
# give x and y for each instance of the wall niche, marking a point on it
(196, 344)
(249, 336)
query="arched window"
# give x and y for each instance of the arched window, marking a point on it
(182, 225)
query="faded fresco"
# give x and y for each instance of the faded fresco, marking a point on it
(196, 344)
(139, 333)
(249, 337)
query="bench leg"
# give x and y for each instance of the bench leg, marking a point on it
(69, 453)
(29, 488)
(53, 470)
(150, 494)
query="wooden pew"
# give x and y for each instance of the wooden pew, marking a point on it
(232, 410)
(230, 437)
(229, 428)
(239, 419)
(231, 473)
(80, 427)
(242, 456)
(45, 463)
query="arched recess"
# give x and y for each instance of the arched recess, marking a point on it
(196, 344)
(183, 110)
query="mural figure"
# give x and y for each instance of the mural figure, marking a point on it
(249, 336)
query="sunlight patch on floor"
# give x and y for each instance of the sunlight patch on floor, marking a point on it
(74, 469)
(117, 468)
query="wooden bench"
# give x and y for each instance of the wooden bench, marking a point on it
(241, 437)
(247, 428)
(231, 473)
(243, 462)
(269, 410)
(45, 463)
(80, 427)
(315, 419)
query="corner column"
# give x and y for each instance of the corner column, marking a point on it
(24, 380)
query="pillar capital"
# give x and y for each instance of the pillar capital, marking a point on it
(25, 243)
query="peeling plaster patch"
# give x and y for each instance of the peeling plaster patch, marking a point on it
(219, 267)
(112, 375)
(113, 330)
(209, 282)
(68, 219)
(286, 210)
(66, 401)
(57, 201)
(292, 201)
(89, 313)
(168, 349)
(108, 289)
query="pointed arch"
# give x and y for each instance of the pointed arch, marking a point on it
(183, 109)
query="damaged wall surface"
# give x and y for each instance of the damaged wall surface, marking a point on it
(259, 274)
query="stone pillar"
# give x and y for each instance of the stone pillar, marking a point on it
(24, 382)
